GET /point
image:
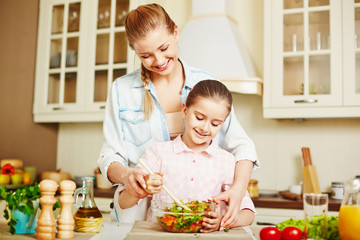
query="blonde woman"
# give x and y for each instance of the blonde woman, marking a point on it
(144, 107)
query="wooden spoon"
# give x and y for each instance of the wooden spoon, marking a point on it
(165, 189)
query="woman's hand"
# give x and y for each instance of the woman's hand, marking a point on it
(233, 198)
(235, 194)
(135, 183)
(153, 183)
(212, 220)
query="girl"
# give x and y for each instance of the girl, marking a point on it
(144, 107)
(192, 165)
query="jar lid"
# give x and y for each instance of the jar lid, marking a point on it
(253, 181)
(337, 183)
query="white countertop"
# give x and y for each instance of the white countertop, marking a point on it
(113, 230)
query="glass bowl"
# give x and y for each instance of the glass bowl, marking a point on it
(173, 218)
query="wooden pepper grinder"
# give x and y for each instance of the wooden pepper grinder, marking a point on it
(46, 224)
(66, 222)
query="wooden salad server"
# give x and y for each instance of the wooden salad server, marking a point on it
(178, 202)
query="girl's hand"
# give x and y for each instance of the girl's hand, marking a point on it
(211, 221)
(135, 183)
(233, 198)
(153, 183)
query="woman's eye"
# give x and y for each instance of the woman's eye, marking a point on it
(164, 49)
(199, 118)
(145, 57)
(214, 124)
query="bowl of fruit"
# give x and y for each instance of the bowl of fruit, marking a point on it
(174, 218)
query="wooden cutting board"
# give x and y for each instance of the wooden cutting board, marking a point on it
(143, 230)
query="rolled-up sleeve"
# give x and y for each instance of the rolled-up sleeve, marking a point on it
(247, 203)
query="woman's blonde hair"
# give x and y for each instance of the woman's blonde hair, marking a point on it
(138, 23)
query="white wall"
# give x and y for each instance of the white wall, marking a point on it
(334, 143)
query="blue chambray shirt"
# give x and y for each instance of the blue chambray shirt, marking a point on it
(127, 134)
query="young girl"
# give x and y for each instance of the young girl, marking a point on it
(192, 165)
(144, 107)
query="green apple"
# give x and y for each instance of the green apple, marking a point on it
(16, 179)
(4, 179)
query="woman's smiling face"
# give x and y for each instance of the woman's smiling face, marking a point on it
(158, 50)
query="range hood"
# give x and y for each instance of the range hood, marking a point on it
(211, 41)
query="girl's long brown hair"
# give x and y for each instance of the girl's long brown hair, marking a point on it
(212, 89)
(138, 23)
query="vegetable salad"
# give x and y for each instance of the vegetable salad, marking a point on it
(177, 219)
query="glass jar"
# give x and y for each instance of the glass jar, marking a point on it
(253, 188)
(337, 190)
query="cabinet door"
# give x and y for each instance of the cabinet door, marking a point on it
(57, 75)
(303, 59)
(351, 48)
(109, 59)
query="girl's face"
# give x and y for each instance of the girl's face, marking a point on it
(203, 120)
(158, 50)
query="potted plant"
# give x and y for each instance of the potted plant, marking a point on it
(21, 208)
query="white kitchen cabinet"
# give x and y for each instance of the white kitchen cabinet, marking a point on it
(81, 49)
(312, 59)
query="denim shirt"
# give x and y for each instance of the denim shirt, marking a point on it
(128, 134)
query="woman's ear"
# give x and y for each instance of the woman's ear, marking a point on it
(176, 33)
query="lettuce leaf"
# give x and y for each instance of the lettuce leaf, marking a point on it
(315, 225)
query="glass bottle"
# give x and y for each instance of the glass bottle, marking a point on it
(349, 214)
(87, 217)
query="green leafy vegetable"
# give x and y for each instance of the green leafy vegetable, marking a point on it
(291, 222)
(22, 200)
(315, 225)
(332, 228)
(181, 220)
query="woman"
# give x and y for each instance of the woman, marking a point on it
(144, 107)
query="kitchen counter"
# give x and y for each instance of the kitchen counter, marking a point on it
(280, 202)
(262, 201)
(141, 230)
(109, 231)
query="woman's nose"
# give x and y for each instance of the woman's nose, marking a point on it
(158, 58)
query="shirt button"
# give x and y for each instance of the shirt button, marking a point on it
(194, 161)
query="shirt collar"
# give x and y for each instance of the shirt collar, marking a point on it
(189, 80)
(136, 82)
(179, 146)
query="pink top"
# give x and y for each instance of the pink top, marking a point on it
(189, 175)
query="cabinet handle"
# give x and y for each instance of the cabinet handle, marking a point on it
(306, 101)
(102, 107)
(57, 108)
